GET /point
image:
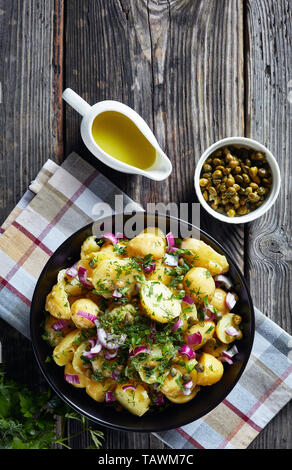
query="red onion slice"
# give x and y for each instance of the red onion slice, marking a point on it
(82, 275)
(109, 397)
(159, 400)
(226, 281)
(150, 268)
(187, 351)
(120, 236)
(116, 294)
(111, 237)
(59, 325)
(86, 315)
(231, 331)
(209, 311)
(72, 272)
(129, 387)
(225, 359)
(231, 352)
(188, 300)
(189, 384)
(138, 350)
(194, 339)
(109, 355)
(170, 260)
(178, 324)
(72, 379)
(170, 239)
(230, 300)
(187, 391)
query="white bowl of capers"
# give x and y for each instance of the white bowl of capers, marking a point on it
(237, 180)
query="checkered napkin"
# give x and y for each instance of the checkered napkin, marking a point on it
(60, 201)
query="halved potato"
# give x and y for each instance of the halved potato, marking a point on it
(136, 401)
(205, 256)
(213, 370)
(223, 325)
(159, 302)
(207, 330)
(199, 284)
(218, 301)
(149, 369)
(55, 337)
(97, 390)
(145, 244)
(172, 385)
(215, 347)
(181, 398)
(87, 306)
(57, 302)
(113, 273)
(89, 248)
(64, 351)
(83, 379)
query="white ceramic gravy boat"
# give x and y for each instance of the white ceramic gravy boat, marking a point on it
(161, 167)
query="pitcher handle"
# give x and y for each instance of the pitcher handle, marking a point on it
(78, 103)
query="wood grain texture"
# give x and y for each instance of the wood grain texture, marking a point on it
(30, 126)
(269, 112)
(196, 71)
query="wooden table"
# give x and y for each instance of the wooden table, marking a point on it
(197, 71)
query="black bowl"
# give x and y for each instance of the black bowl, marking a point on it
(175, 415)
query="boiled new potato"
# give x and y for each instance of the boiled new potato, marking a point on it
(228, 321)
(206, 329)
(159, 302)
(218, 301)
(64, 351)
(57, 303)
(83, 379)
(87, 306)
(181, 398)
(77, 361)
(161, 273)
(111, 274)
(72, 286)
(156, 230)
(89, 247)
(145, 244)
(149, 369)
(173, 383)
(136, 401)
(204, 256)
(215, 347)
(213, 370)
(97, 390)
(199, 284)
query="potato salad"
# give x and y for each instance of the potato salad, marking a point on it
(145, 322)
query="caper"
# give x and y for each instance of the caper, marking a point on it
(236, 187)
(217, 161)
(237, 170)
(206, 196)
(235, 199)
(238, 179)
(231, 213)
(262, 172)
(181, 261)
(186, 377)
(218, 315)
(203, 182)
(217, 174)
(246, 178)
(254, 186)
(180, 286)
(199, 367)
(231, 190)
(207, 167)
(236, 320)
(230, 180)
(173, 372)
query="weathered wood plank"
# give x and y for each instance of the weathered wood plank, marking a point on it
(30, 79)
(269, 112)
(179, 64)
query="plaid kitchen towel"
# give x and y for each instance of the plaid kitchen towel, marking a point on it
(61, 200)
